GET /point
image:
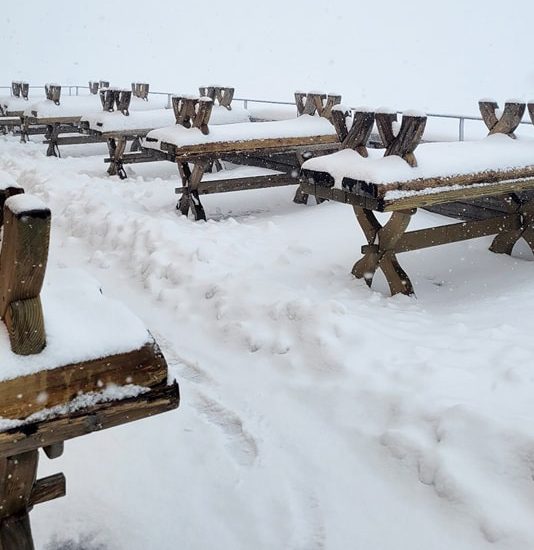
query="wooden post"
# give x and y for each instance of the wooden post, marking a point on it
(193, 112)
(403, 143)
(316, 102)
(15, 88)
(508, 122)
(107, 98)
(104, 84)
(24, 90)
(93, 87)
(122, 100)
(53, 92)
(23, 261)
(357, 137)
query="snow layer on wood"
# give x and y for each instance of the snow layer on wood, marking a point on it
(24, 203)
(81, 324)
(157, 118)
(112, 392)
(303, 126)
(496, 152)
(73, 106)
(16, 104)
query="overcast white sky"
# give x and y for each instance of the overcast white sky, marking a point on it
(424, 54)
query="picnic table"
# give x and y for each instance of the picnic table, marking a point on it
(403, 180)
(191, 141)
(66, 370)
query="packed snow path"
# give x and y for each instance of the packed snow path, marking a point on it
(315, 413)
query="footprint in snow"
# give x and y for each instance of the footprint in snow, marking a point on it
(241, 444)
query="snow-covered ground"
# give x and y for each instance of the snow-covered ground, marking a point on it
(315, 414)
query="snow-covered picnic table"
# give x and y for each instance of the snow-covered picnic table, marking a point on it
(254, 143)
(406, 179)
(73, 362)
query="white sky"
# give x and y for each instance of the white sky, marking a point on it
(437, 56)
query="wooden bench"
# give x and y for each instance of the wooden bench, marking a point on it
(65, 387)
(268, 144)
(499, 166)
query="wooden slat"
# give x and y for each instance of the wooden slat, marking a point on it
(25, 395)
(246, 145)
(240, 184)
(48, 488)
(444, 234)
(490, 176)
(465, 193)
(99, 417)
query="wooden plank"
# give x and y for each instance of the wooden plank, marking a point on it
(17, 477)
(464, 180)
(98, 417)
(241, 184)
(275, 144)
(498, 188)
(77, 140)
(53, 119)
(444, 234)
(26, 395)
(48, 488)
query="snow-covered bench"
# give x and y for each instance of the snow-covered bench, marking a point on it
(402, 181)
(117, 129)
(255, 143)
(72, 362)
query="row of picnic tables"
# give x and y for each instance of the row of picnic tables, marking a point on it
(328, 150)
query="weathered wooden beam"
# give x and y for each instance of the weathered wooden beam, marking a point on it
(47, 489)
(90, 419)
(23, 261)
(26, 395)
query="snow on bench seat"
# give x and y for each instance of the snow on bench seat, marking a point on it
(104, 122)
(81, 324)
(439, 162)
(305, 126)
(77, 106)
(13, 104)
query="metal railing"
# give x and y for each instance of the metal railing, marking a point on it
(461, 119)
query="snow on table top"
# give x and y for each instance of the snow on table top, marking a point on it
(14, 104)
(24, 203)
(496, 152)
(76, 106)
(157, 118)
(81, 324)
(303, 126)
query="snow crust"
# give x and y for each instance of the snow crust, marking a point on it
(496, 152)
(302, 126)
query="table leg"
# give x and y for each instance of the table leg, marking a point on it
(380, 250)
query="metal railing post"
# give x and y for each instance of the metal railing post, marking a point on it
(461, 129)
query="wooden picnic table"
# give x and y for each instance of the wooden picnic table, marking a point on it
(69, 385)
(268, 144)
(500, 167)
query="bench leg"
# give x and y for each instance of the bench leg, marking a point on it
(116, 148)
(190, 199)
(379, 253)
(523, 209)
(52, 134)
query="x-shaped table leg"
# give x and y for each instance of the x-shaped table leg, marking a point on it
(380, 250)
(524, 209)
(190, 197)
